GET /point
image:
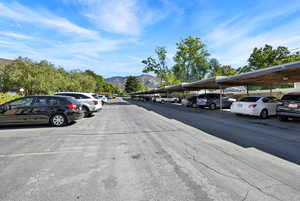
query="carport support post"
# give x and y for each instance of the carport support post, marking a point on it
(247, 87)
(221, 98)
(271, 86)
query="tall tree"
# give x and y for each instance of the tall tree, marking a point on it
(190, 59)
(159, 65)
(269, 56)
(132, 84)
(214, 68)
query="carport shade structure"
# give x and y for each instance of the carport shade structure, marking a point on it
(280, 74)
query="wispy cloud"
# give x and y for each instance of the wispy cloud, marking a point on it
(14, 35)
(233, 40)
(75, 40)
(19, 13)
(128, 17)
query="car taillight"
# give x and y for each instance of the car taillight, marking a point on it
(95, 102)
(72, 106)
(252, 105)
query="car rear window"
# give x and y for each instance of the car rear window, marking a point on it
(291, 98)
(249, 99)
(69, 100)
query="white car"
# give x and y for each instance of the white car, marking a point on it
(262, 106)
(103, 98)
(166, 99)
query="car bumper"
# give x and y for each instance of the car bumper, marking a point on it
(288, 114)
(73, 116)
(245, 112)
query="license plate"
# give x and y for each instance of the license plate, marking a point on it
(293, 106)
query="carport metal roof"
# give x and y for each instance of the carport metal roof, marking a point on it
(209, 83)
(285, 73)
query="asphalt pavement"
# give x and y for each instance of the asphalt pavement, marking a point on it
(140, 151)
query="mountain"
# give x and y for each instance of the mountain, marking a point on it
(5, 61)
(148, 80)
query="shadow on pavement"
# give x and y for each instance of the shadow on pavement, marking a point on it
(31, 126)
(281, 139)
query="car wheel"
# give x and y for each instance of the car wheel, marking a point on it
(282, 118)
(58, 120)
(264, 114)
(86, 111)
(212, 106)
(194, 105)
(163, 102)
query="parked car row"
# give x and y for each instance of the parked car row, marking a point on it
(262, 106)
(58, 110)
(210, 100)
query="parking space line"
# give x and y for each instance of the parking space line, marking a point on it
(38, 153)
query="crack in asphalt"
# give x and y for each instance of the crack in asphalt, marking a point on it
(232, 177)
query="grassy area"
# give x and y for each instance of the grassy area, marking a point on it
(6, 97)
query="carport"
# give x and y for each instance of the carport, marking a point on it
(280, 74)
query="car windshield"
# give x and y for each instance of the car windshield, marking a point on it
(291, 98)
(249, 99)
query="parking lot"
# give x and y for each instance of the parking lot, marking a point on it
(138, 151)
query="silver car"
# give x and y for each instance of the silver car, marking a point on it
(89, 103)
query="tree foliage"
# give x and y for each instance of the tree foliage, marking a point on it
(132, 85)
(44, 78)
(190, 59)
(268, 56)
(159, 65)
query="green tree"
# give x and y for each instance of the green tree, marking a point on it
(214, 68)
(190, 59)
(132, 84)
(159, 65)
(269, 56)
(170, 79)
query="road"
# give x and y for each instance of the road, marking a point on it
(135, 151)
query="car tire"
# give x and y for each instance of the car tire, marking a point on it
(212, 106)
(264, 114)
(282, 118)
(194, 105)
(163, 102)
(58, 120)
(86, 111)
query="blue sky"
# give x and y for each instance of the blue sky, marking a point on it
(111, 37)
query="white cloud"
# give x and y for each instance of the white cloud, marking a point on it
(14, 35)
(128, 17)
(19, 13)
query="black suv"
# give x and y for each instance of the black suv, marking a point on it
(289, 107)
(56, 110)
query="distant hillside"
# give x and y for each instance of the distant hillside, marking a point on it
(5, 61)
(148, 80)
